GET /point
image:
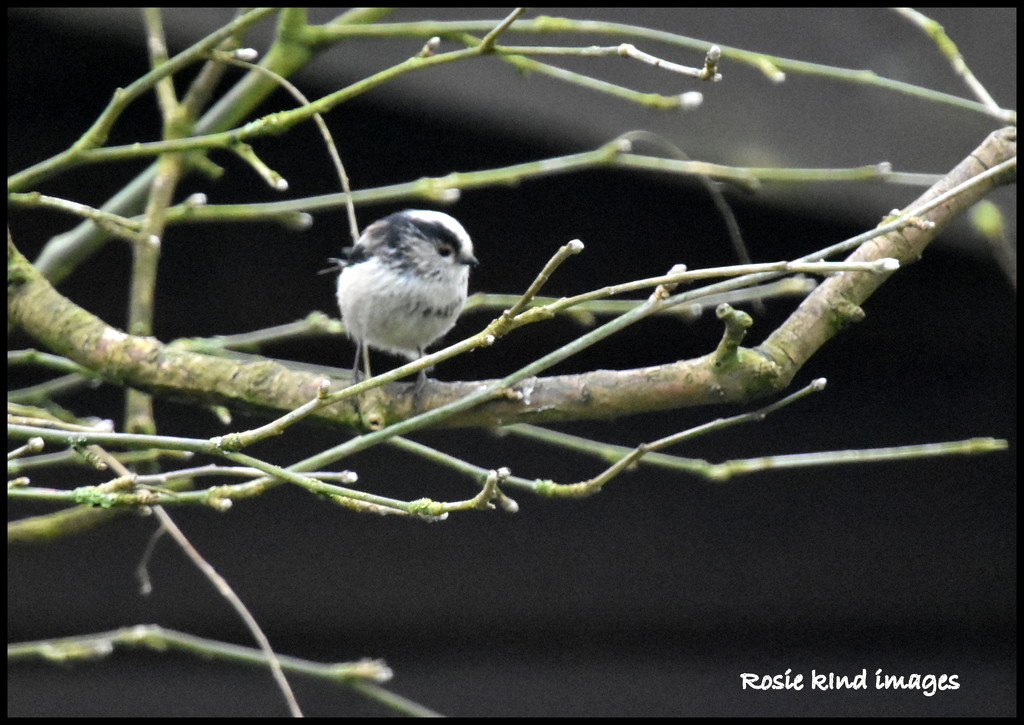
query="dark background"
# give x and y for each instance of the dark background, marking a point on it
(652, 597)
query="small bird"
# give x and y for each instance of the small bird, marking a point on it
(404, 283)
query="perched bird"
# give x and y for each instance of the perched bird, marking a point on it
(403, 284)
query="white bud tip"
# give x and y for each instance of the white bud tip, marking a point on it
(889, 264)
(383, 674)
(691, 100)
(302, 220)
(247, 54)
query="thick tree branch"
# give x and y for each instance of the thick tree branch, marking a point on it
(729, 374)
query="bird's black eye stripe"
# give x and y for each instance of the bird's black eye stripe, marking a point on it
(391, 230)
(444, 239)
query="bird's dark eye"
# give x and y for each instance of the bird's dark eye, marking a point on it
(445, 250)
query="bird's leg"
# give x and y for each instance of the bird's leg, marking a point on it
(366, 360)
(360, 351)
(421, 379)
